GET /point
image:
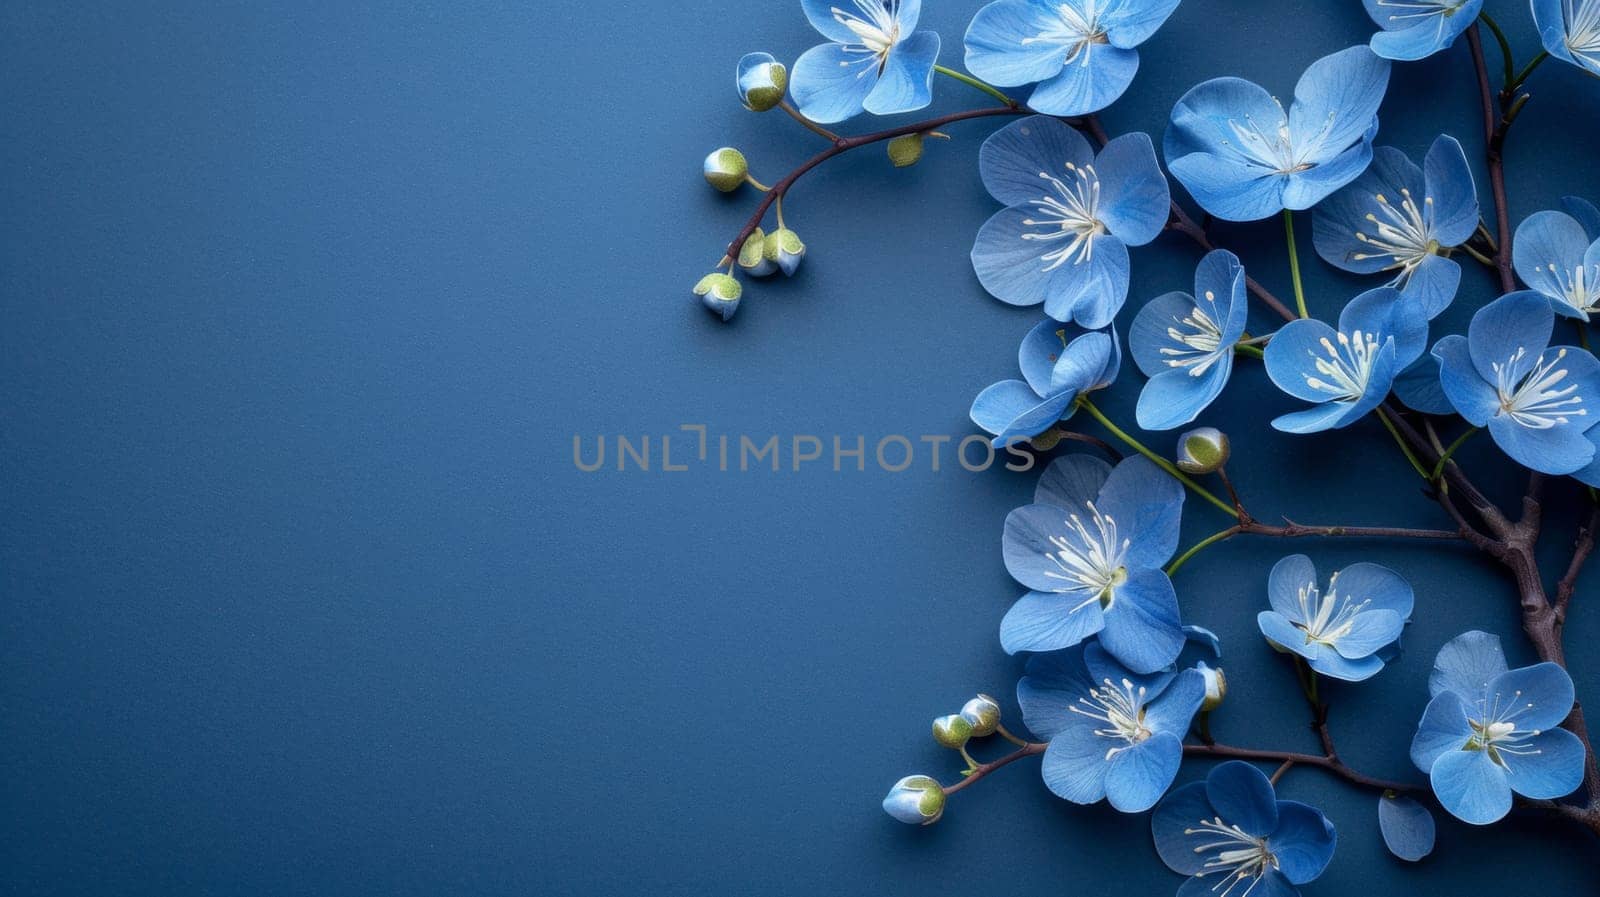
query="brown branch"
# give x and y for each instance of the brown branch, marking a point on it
(1331, 764)
(1494, 130)
(1582, 547)
(1027, 750)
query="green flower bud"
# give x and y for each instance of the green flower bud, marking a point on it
(762, 81)
(905, 150)
(726, 168)
(719, 292)
(952, 731)
(982, 714)
(1203, 450)
(1216, 686)
(784, 249)
(753, 255)
(1047, 440)
(915, 800)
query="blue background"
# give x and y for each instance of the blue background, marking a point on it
(304, 304)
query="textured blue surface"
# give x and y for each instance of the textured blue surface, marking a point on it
(301, 592)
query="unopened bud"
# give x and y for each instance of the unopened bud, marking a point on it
(952, 731)
(762, 80)
(1203, 450)
(784, 249)
(982, 714)
(726, 169)
(720, 293)
(753, 255)
(1216, 686)
(905, 150)
(915, 800)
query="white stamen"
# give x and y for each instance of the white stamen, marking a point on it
(1070, 209)
(1538, 400)
(1088, 557)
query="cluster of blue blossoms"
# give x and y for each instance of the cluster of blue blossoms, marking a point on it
(1107, 684)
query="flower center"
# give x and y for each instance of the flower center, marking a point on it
(1329, 618)
(1237, 856)
(1421, 9)
(1201, 338)
(1583, 28)
(1495, 730)
(1089, 557)
(1539, 401)
(1347, 367)
(1120, 708)
(1078, 30)
(1581, 287)
(1404, 232)
(876, 23)
(1272, 146)
(1070, 209)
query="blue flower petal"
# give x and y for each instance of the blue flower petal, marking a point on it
(1046, 621)
(1083, 363)
(1014, 271)
(1381, 587)
(1291, 353)
(1050, 689)
(1148, 336)
(1336, 221)
(1147, 504)
(1337, 99)
(1471, 786)
(1071, 481)
(1134, 199)
(1466, 664)
(1552, 767)
(1303, 842)
(1426, 38)
(1001, 403)
(1555, 450)
(1040, 350)
(1270, 883)
(1093, 290)
(1591, 475)
(1142, 629)
(1450, 185)
(1550, 19)
(1444, 728)
(1407, 827)
(1003, 46)
(1516, 322)
(1433, 284)
(1027, 547)
(1418, 387)
(1336, 666)
(1472, 397)
(1328, 416)
(1131, 24)
(830, 84)
(1542, 692)
(1138, 775)
(1037, 419)
(1174, 709)
(1243, 797)
(1305, 189)
(1183, 809)
(1288, 577)
(1277, 629)
(1384, 311)
(1011, 159)
(1369, 631)
(907, 80)
(1074, 765)
(1174, 398)
(820, 14)
(1088, 83)
(1102, 666)
(1546, 241)
(1586, 213)
(1202, 118)
(1228, 190)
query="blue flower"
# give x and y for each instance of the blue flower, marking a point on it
(1080, 51)
(1235, 837)
(878, 61)
(1113, 733)
(1536, 399)
(1401, 218)
(1343, 632)
(1185, 344)
(1556, 255)
(1417, 29)
(1070, 217)
(1570, 31)
(1091, 548)
(1060, 362)
(1348, 371)
(1490, 731)
(1244, 158)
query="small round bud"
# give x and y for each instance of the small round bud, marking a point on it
(726, 169)
(952, 731)
(720, 293)
(784, 249)
(982, 714)
(1203, 450)
(753, 255)
(1216, 686)
(762, 80)
(905, 150)
(1047, 440)
(915, 800)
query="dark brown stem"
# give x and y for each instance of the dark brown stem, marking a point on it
(1494, 130)
(1331, 764)
(1027, 750)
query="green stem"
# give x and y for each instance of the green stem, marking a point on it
(1202, 545)
(1410, 455)
(751, 180)
(1438, 469)
(1528, 70)
(1247, 349)
(1505, 46)
(1294, 264)
(970, 81)
(1163, 463)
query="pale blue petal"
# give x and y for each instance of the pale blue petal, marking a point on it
(1091, 292)
(1242, 796)
(1591, 475)
(1542, 693)
(1432, 285)
(1288, 577)
(1072, 481)
(1450, 185)
(1001, 403)
(1052, 686)
(1036, 420)
(1369, 631)
(829, 85)
(1228, 189)
(1521, 320)
(1174, 709)
(1147, 504)
(907, 80)
(1305, 189)
(1271, 883)
(1183, 809)
(1220, 288)
(996, 51)
(1466, 664)
(1551, 21)
(1142, 630)
(908, 13)
(1148, 336)
(1381, 587)
(1336, 666)
(1557, 450)
(1012, 158)
(1131, 24)
(1291, 355)
(1444, 728)
(1552, 767)
(1546, 240)
(1277, 629)
(1174, 398)
(1303, 842)
(1202, 119)
(1418, 387)
(1336, 100)
(1074, 765)
(1420, 41)
(1407, 827)
(1336, 221)
(1026, 545)
(1134, 199)
(1586, 213)
(1088, 83)
(1045, 621)
(820, 14)
(1082, 363)
(1040, 350)
(1384, 311)
(1472, 397)
(1471, 786)
(1328, 416)
(1138, 776)
(1012, 269)
(1102, 666)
